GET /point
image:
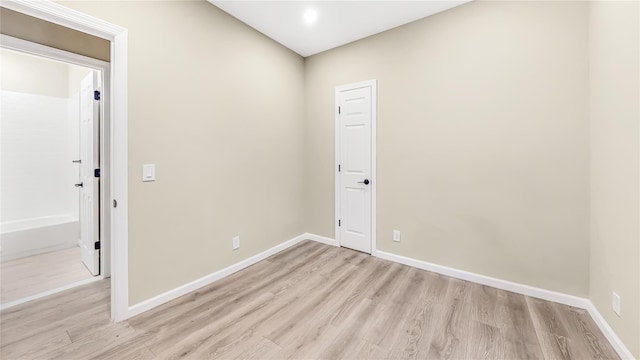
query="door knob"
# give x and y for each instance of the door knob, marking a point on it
(366, 182)
(78, 185)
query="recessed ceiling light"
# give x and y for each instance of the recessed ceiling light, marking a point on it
(310, 16)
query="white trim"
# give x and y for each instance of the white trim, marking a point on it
(522, 289)
(118, 175)
(211, 278)
(608, 332)
(373, 84)
(320, 239)
(487, 280)
(50, 292)
(24, 46)
(62, 15)
(119, 178)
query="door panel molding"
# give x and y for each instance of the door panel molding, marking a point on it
(372, 84)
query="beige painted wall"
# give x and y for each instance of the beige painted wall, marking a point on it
(482, 139)
(218, 108)
(615, 203)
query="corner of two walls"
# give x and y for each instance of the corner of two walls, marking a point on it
(482, 139)
(614, 77)
(486, 160)
(483, 143)
(218, 107)
(501, 147)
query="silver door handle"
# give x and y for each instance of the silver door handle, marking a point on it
(76, 161)
(78, 185)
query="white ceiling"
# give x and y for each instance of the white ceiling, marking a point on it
(338, 22)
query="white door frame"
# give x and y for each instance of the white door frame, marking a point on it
(114, 150)
(374, 179)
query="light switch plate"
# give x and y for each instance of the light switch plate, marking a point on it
(148, 172)
(396, 235)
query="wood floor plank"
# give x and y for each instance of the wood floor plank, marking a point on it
(484, 306)
(449, 339)
(31, 348)
(31, 328)
(311, 301)
(367, 350)
(484, 342)
(175, 345)
(255, 348)
(555, 347)
(584, 333)
(518, 332)
(226, 290)
(354, 331)
(546, 317)
(287, 325)
(294, 254)
(374, 270)
(389, 324)
(415, 338)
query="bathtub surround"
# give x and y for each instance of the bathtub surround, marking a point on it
(30, 237)
(40, 138)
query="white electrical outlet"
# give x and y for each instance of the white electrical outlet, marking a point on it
(616, 303)
(396, 235)
(236, 242)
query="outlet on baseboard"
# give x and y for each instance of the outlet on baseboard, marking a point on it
(235, 242)
(396, 235)
(616, 302)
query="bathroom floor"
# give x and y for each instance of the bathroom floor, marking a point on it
(36, 274)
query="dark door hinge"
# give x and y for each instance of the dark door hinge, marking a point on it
(96, 245)
(338, 110)
(115, 203)
(338, 167)
(96, 173)
(96, 95)
(339, 223)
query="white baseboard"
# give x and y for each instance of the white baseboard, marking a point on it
(527, 290)
(608, 332)
(206, 280)
(489, 281)
(320, 239)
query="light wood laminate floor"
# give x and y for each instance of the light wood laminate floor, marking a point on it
(311, 301)
(36, 274)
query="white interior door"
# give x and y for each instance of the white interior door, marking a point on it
(354, 156)
(89, 184)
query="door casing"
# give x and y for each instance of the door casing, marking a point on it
(374, 179)
(115, 232)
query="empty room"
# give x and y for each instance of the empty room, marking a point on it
(329, 179)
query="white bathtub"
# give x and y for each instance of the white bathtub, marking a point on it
(38, 235)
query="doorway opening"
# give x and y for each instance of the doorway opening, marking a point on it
(50, 175)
